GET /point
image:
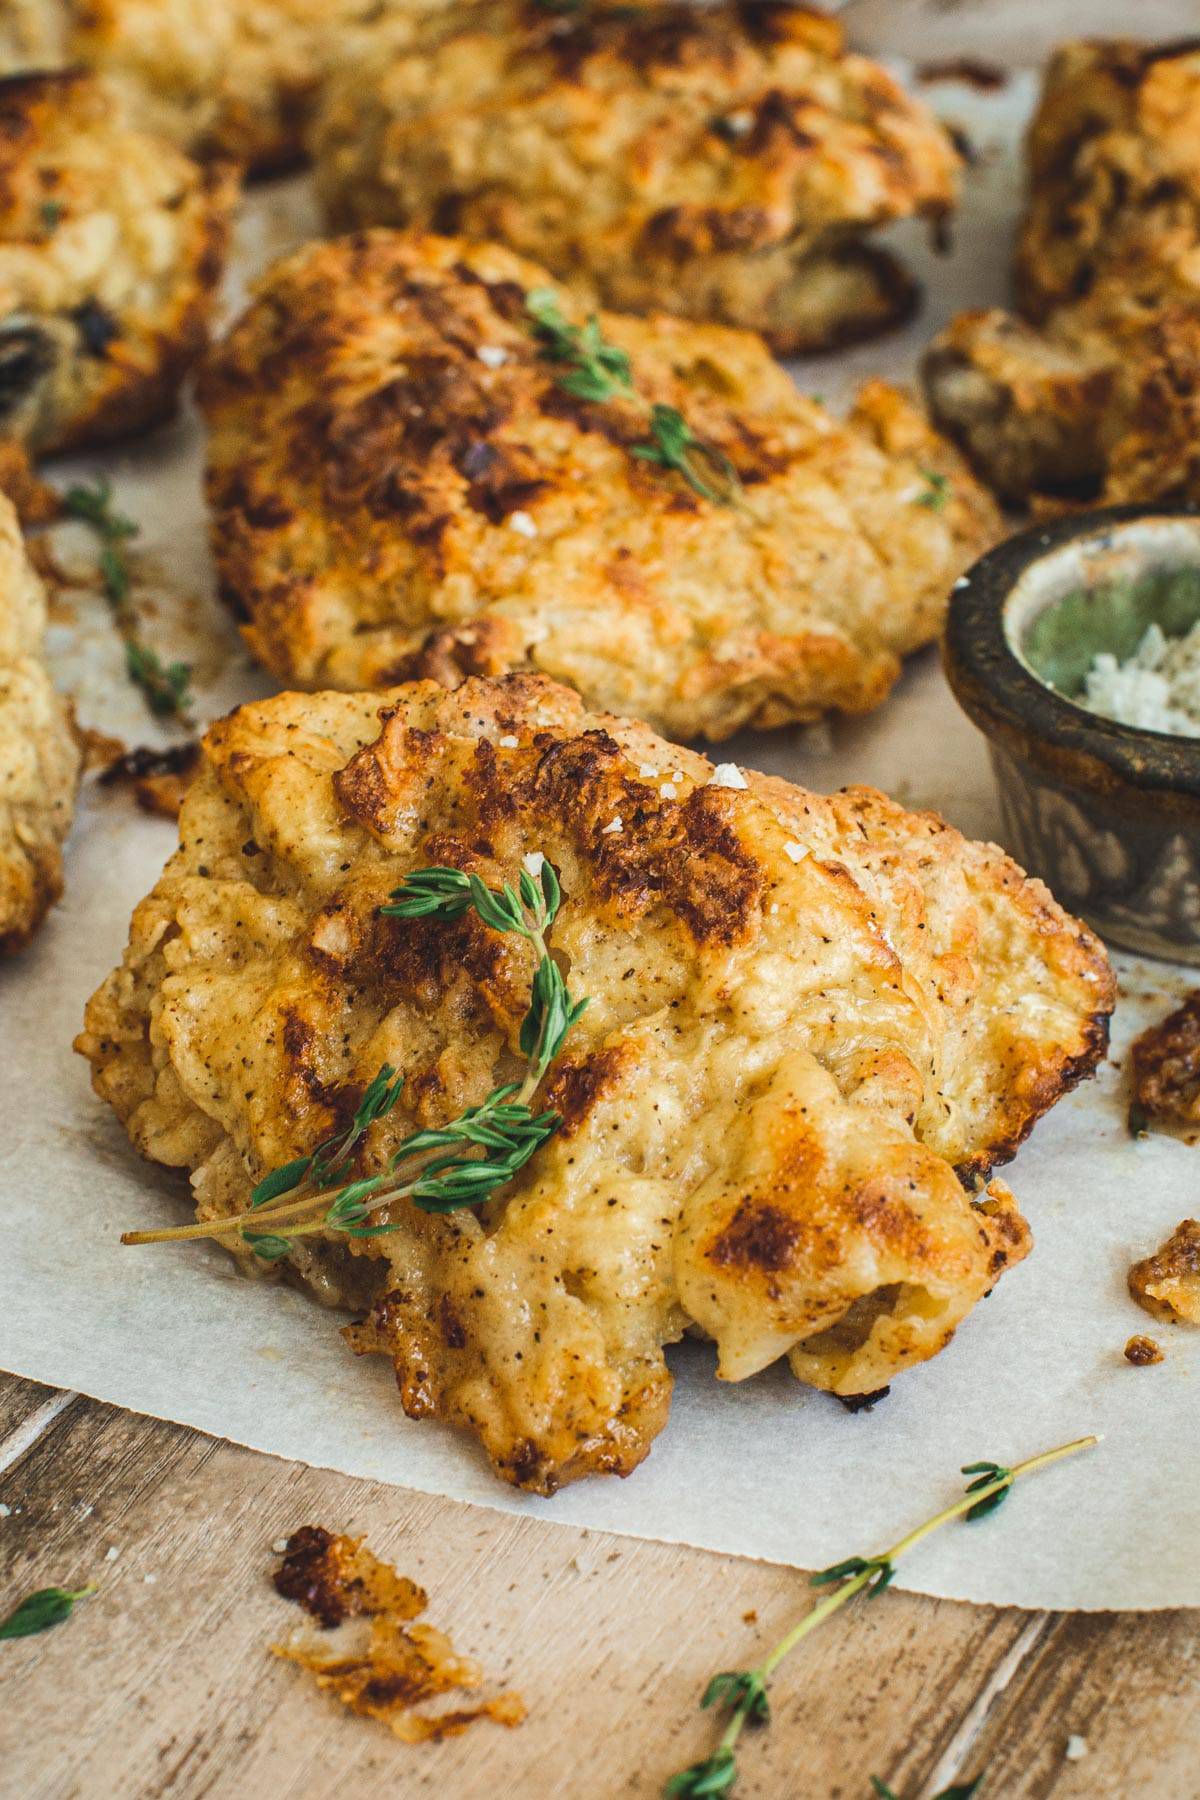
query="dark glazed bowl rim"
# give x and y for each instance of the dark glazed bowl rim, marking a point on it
(1000, 694)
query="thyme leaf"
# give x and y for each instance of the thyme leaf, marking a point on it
(599, 371)
(743, 1693)
(674, 445)
(39, 1611)
(164, 685)
(936, 492)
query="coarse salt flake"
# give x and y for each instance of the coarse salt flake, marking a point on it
(279, 1547)
(613, 827)
(509, 743)
(112, 1553)
(797, 852)
(1155, 689)
(646, 769)
(493, 355)
(727, 775)
(523, 523)
(1077, 1748)
(668, 790)
(533, 860)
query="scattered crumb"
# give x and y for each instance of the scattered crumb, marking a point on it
(36, 502)
(1166, 1068)
(158, 779)
(855, 1403)
(1142, 1351)
(99, 750)
(986, 77)
(1077, 1748)
(1167, 1284)
(750, 1618)
(381, 1665)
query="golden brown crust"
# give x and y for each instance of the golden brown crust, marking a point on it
(1166, 1066)
(723, 160)
(1167, 1284)
(217, 78)
(400, 487)
(39, 755)
(111, 248)
(805, 1016)
(1094, 392)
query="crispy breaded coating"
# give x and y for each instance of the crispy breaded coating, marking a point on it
(1167, 1284)
(725, 162)
(1166, 1066)
(1093, 389)
(39, 755)
(225, 78)
(814, 1025)
(401, 486)
(111, 248)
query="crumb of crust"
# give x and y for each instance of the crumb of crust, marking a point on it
(37, 503)
(158, 779)
(1166, 1067)
(1142, 1352)
(1167, 1284)
(383, 1666)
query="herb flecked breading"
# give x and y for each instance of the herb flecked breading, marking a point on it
(806, 1030)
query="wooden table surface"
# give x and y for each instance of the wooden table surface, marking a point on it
(162, 1683)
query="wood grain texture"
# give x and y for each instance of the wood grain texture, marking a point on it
(173, 1691)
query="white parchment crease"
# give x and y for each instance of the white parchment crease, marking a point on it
(765, 1469)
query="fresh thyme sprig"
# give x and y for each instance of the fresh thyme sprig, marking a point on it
(599, 371)
(39, 1611)
(674, 445)
(438, 1169)
(165, 685)
(743, 1692)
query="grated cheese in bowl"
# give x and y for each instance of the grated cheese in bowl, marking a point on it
(1155, 689)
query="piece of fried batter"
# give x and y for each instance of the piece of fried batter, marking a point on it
(1167, 1284)
(226, 78)
(724, 161)
(813, 1026)
(401, 485)
(111, 247)
(39, 755)
(1093, 389)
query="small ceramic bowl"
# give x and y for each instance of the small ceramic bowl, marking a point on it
(1107, 815)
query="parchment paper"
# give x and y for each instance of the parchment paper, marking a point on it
(766, 1469)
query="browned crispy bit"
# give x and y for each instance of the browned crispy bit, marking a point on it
(158, 779)
(1166, 1066)
(1167, 1284)
(385, 1666)
(1142, 1351)
(37, 503)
